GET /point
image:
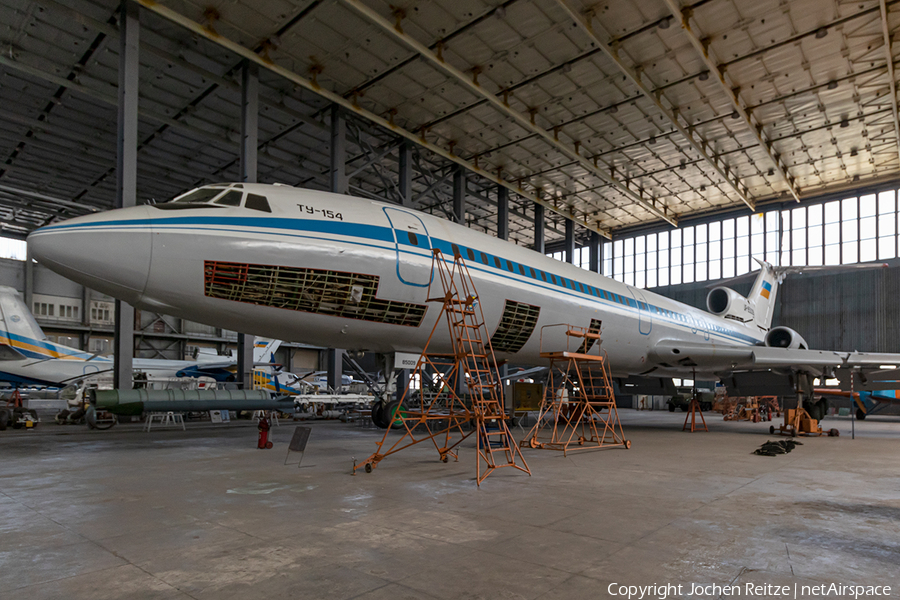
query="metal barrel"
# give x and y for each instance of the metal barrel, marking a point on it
(135, 402)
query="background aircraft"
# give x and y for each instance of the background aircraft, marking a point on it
(866, 402)
(27, 358)
(346, 272)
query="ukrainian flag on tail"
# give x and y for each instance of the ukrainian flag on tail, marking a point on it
(766, 289)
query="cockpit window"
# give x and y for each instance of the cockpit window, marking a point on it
(230, 199)
(200, 196)
(257, 202)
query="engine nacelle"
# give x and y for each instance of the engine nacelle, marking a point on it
(725, 302)
(785, 337)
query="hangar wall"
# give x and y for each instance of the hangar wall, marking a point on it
(852, 310)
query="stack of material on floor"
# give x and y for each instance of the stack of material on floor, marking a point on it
(776, 448)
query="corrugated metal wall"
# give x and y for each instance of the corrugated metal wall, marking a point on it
(851, 310)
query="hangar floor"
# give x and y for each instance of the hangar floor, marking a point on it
(203, 514)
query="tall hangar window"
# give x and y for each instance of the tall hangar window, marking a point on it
(581, 259)
(12, 248)
(848, 230)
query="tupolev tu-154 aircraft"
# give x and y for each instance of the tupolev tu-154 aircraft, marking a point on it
(346, 272)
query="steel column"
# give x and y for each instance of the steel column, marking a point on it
(126, 174)
(406, 173)
(594, 260)
(335, 368)
(249, 145)
(29, 280)
(570, 242)
(339, 183)
(459, 195)
(502, 213)
(539, 228)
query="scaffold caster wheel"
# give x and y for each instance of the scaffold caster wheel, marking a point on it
(444, 458)
(834, 433)
(627, 444)
(771, 430)
(269, 445)
(794, 432)
(533, 443)
(368, 467)
(581, 441)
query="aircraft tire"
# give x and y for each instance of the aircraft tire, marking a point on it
(378, 416)
(4, 419)
(685, 407)
(860, 415)
(671, 408)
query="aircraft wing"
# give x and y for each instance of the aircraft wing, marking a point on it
(709, 357)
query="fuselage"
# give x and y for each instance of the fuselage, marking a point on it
(345, 272)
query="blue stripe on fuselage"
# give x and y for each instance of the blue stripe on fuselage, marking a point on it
(476, 259)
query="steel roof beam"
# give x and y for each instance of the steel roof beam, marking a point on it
(885, 30)
(684, 16)
(522, 120)
(611, 52)
(309, 85)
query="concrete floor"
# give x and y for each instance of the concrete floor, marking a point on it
(204, 514)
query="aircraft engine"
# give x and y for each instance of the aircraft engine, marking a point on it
(724, 301)
(785, 337)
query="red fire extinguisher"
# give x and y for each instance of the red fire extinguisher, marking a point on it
(263, 427)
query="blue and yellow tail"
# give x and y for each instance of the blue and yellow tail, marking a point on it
(762, 294)
(20, 335)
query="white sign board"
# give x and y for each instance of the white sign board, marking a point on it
(405, 360)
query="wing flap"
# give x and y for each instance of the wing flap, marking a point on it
(710, 356)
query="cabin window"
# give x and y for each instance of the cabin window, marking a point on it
(522, 270)
(456, 253)
(544, 275)
(413, 238)
(470, 253)
(484, 258)
(509, 267)
(533, 274)
(497, 263)
(257, 202)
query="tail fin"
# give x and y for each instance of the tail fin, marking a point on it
(762, 294)
(263, 349)
(16, 321)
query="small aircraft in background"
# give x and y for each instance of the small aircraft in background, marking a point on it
(866, 402)
(27, 358)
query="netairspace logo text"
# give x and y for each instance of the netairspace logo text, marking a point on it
(663, 591)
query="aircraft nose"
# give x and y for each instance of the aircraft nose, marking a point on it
(109, 252)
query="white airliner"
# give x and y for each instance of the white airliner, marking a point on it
(346, 272)
(27, 358)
